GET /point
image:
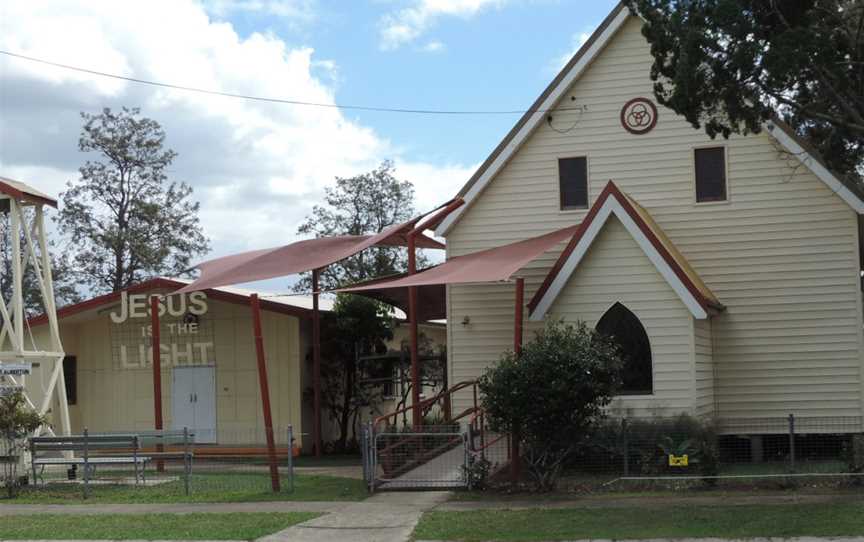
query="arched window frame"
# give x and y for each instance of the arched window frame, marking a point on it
(618, 307)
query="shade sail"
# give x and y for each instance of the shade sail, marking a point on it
(492, 265)
(431, 299)
(298, 257)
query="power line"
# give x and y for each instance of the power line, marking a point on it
(281, 100)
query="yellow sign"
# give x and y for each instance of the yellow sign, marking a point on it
(678, 460)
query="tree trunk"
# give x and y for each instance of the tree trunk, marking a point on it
(347, 399)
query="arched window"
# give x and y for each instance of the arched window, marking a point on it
(626, 330)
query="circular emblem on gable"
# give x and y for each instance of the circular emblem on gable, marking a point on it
(639, 116)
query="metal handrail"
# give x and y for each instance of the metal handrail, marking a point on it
(425, 404)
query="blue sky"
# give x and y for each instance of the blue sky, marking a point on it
(259, 168)
(499, 58)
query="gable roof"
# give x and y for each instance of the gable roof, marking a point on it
(668, 261)
(25, 192)
(852, 194)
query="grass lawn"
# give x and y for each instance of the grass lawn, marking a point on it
(329, 460)
(239, 526)
(835, 519)
(232, 487)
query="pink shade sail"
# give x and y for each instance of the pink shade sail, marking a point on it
(491, 265)
(298, 257)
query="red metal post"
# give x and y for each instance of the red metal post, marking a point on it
(515, 463)
(157, 371)
(265, 392)
(431, 222)
(416, 414)
(316, 366)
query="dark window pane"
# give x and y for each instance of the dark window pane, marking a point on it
(710, 174)
(625, 329)
(70, 379)
(573, 182)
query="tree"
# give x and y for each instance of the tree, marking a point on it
(552, 394)
(731, 65)
(16, 422)
(356, 327)
(125, 219)
(65, 290)
(433, 369)
(361, 205)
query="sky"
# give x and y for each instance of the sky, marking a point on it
(258, 168)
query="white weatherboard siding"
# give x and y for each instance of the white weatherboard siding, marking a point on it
(615, 268)
(703, 369)
(781, 254)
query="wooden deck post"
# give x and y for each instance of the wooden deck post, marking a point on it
(316, 366)
(265, 391)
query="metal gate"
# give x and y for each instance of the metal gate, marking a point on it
(430, 457)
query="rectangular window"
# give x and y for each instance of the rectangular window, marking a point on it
(70, 378)
(710, 174)
(573, 182)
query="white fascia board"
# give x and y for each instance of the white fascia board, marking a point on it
(792, 146)
(613, 206)
(534, 121)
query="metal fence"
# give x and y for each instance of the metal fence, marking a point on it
(164, 463)
(425, 457)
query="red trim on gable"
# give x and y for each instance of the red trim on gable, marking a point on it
(612, 190)
(571, 246)
(10, 190)
(168, 284)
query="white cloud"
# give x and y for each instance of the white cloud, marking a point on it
(257, 168)
(406, 25)
(290, 9)
(434, 46)
(577, 41)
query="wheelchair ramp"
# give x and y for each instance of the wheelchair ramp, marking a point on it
(426, 458)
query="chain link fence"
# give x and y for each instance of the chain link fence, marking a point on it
(141, 465)
(683, 452)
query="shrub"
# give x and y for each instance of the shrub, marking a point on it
(476, 472)
(552, 394)
(16, 422)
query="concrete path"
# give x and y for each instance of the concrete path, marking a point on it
(445, 468)
(384, 517)
(85, 509)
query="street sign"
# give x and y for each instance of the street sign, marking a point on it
(15, 369)
(6, 391)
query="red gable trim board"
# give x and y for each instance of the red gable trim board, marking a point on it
(668, 262)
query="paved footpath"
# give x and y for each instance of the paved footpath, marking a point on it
(384, 517)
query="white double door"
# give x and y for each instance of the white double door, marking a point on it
(193, 401)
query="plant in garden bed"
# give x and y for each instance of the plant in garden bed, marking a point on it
(552, 394)
(645, 445)
(16, 422)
